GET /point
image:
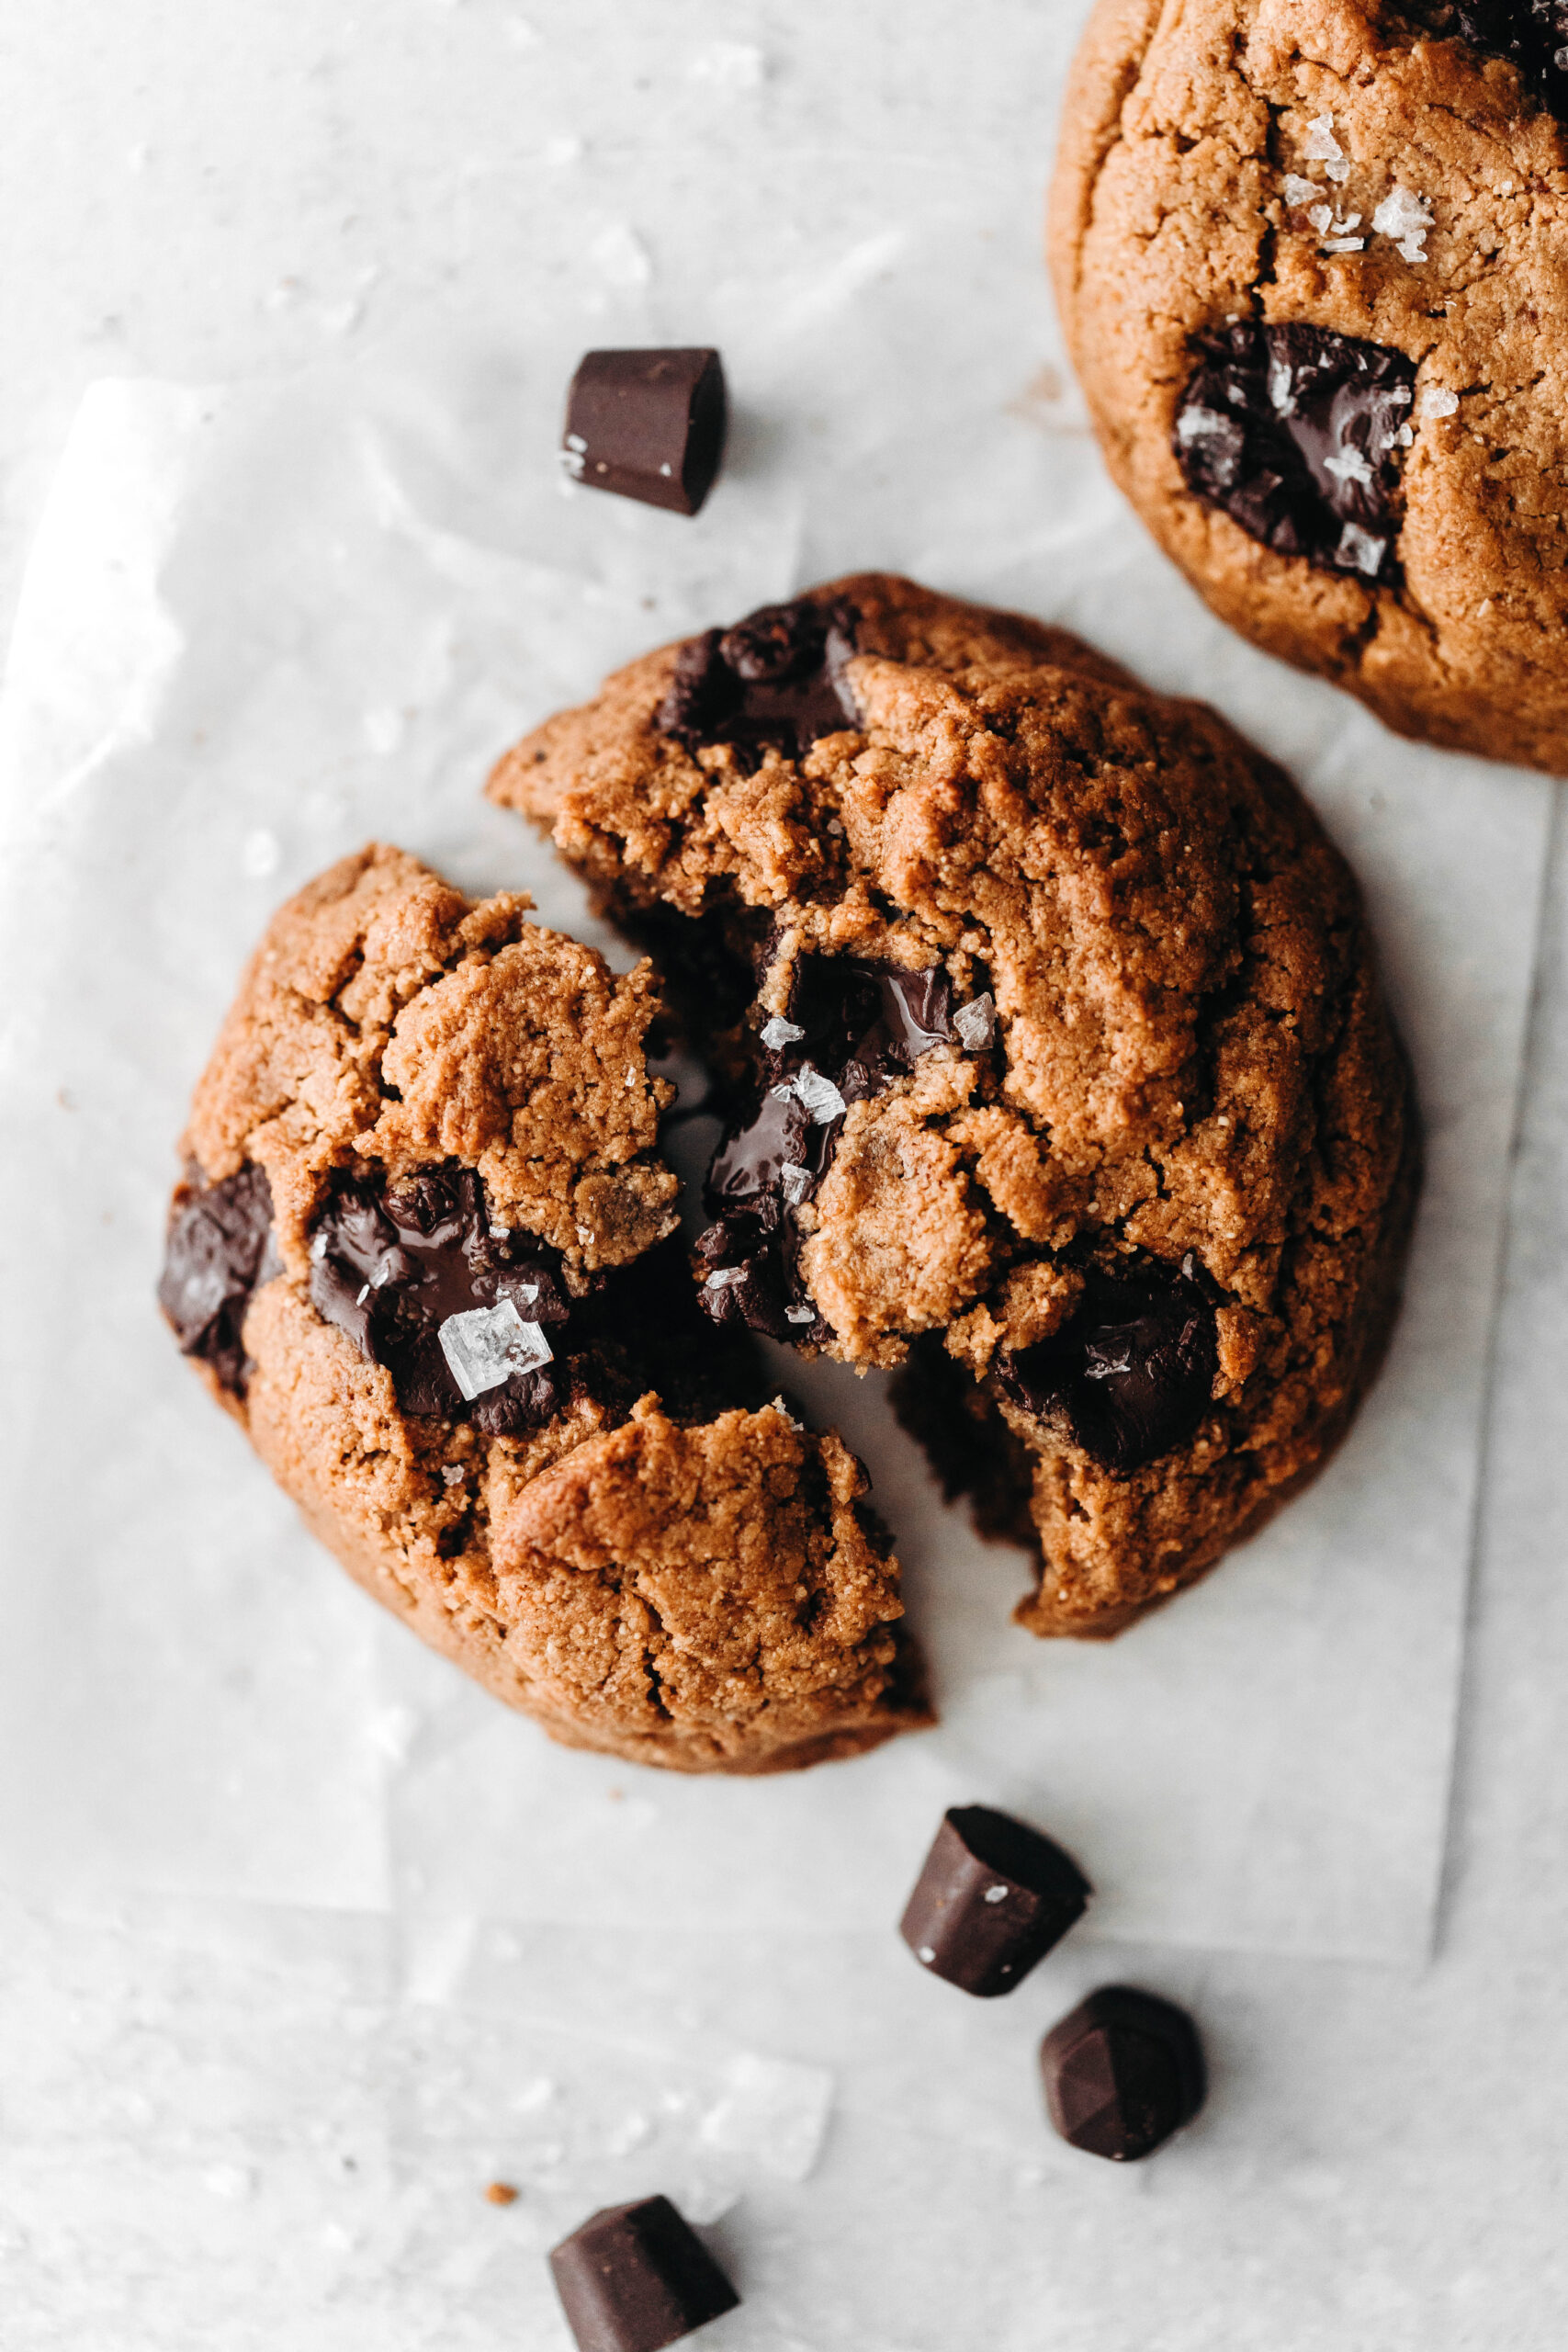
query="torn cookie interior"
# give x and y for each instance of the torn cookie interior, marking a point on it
(425, 1254)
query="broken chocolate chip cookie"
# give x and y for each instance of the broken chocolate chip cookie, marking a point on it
(1054, 1060)
(426, 1253)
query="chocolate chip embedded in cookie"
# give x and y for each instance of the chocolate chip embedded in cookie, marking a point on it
(1054, 1060)
(1297, 434)
(424, 1254)
(1314, 288)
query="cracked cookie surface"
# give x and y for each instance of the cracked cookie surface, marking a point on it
(1371, 176)
(423, 1254)
(1056, 1064)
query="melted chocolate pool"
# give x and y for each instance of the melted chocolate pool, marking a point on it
(393, 1259)
(1294, 431)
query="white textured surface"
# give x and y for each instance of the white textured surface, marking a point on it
(231, 2124)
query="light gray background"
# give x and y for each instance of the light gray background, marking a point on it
(231, 2128)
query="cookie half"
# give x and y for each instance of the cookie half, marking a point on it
(1057, 1066)
(1311, 262)
(425, 1254)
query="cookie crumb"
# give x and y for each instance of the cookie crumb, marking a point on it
(501, 2192)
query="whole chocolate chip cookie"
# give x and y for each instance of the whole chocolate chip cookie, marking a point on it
(1312, 261)
(424, 1254)
(1055, 1065)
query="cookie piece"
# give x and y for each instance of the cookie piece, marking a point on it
(424, 1254)
(718, 1591)
(1055, 1057)
(1310, 264)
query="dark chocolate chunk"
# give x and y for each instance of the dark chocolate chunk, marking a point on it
(393, 1260)
(649, 425)
(852, 1028)
(992, 1899)
(1122, 2072)
(1532, 34)
(1133, 1371)
(775, 678)
(634, 2277)
(1295, 432)
(219, 1247)
(743, 1279)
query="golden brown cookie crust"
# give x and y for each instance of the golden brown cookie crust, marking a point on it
(388, 1023)
(1169, 217)
(1198, 1061)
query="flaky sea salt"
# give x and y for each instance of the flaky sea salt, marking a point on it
(794, 1183)
(1298, 190)
(1362, 549)
(488, 1344)
(1320, 146)
(778, 1032)
(1349, 465)
(1343, 245)
(1198, 424)
(1438, 401)
(773, 2110)
(1340, 171)
(975, 1023)
(818, 1095)
(800, 1315)
(1320, 216)
(1407, 220)
(261, 854)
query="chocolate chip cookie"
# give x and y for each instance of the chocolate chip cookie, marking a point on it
(425, 1254)
(1056, 1068)
(1312, 261)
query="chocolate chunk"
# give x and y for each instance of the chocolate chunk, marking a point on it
(776, 678)
(393, 1260)
(1122, 2072)
(637, 2276)
(219, 1247)
(649, 425)
(1295, 432)
(853, 1027)
(743, 1280)
(992, 1899)
(1532, 34)
(1133, 1371)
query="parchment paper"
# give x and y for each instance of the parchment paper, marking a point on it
(263, 624)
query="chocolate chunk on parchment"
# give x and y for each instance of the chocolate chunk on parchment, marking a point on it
(219, 1247)
(776, 678)
(648, 425)
(1122, 2072)
(992, 1899)
(634, 2277)
(467, 1317)
(1133, 1371)
(1298, 434)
